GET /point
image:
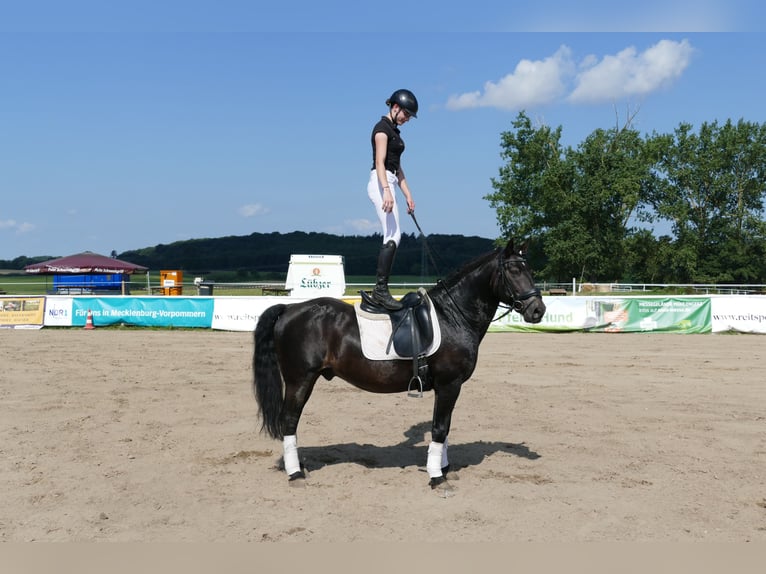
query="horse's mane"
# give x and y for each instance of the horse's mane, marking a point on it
(466, 269)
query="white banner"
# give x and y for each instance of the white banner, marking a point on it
(561, 314)
(241, 313)
(58, 311)
(740, 313)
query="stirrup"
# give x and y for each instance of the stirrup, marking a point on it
(415, 393)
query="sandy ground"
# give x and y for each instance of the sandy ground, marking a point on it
(147, 435)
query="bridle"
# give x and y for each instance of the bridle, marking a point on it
(517, 300)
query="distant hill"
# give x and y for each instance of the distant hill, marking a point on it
(16, 266)
(267, 255)
(261, 254)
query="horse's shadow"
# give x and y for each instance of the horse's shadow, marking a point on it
(407, 453)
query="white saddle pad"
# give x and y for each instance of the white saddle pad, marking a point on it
(375, 331)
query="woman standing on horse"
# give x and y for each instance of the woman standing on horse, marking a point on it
(387, 148)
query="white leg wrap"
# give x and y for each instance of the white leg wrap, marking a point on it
(434, 463)
(292, 464)
(445, 461)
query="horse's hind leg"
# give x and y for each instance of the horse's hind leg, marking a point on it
(296, 397)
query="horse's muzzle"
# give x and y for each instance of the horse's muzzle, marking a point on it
(533, 310)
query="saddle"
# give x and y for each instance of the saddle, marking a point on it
(412, 332)
(411, 328)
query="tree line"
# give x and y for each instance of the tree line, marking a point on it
(591, 211)
(264, 256)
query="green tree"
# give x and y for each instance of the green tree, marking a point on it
(711, 190)
(529, 185)
(528, 178)
(579, 203)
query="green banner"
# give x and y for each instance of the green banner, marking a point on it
(670, 314)
(680, 314)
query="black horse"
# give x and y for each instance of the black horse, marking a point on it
(296, 343)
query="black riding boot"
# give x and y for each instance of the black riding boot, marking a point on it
(380, 293)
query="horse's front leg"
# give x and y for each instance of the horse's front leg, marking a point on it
(437, 463)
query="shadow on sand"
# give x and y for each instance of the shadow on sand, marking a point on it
(409, 452)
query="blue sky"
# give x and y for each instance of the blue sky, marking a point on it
(125, 125)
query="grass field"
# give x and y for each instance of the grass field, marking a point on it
(43, 284)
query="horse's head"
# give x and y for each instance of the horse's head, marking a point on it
(514, 285)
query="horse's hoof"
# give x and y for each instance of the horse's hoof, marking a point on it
(297, 479)
(441, 487)
(450, 474)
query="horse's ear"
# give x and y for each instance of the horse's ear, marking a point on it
(512, 249)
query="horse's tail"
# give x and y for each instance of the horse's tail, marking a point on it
(267, 379)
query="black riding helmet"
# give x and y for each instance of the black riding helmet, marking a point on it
(406, 100)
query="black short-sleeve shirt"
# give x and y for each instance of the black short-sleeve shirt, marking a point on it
(395, 146)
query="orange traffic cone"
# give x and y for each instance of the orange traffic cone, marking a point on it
(89, 321)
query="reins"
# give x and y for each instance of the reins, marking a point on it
(436, 268)
(516, 300)
(425, 242)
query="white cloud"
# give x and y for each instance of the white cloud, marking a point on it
(531, 83)
(16, 226)
(253, 209)
(363, 225)
(540, 82)
(630, 73)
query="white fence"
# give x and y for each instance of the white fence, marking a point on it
(587, 288)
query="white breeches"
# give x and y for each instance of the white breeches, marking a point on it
(388, 221)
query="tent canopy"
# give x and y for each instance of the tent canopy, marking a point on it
(83, 263)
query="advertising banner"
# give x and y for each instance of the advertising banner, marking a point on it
(239, 313)
(663, 314)
(316, 276)
(741, 313)
(562, 314)
(22, 312)
(681, 314)
(616, 315)
(58, 311)
(144, 311)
